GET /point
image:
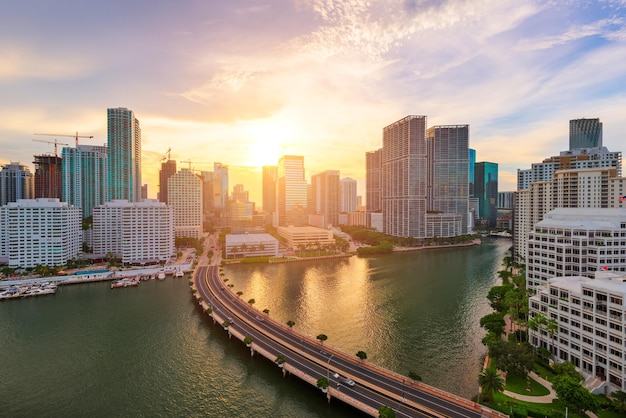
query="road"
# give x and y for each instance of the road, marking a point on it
(374, 386)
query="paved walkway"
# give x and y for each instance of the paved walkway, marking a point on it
(535, 399)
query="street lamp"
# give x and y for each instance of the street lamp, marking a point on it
(328, 368)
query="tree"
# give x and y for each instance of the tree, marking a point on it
(362, 355)
(505, 275)
(239, 293)
(496, 296)
(266, 311)
(511, 357)
(322, 383)
(414, 376)
(251, 302)
(386, 412)
(209, 310)
(290, 323)
(490, 382)
(494, 323)
(573, 394)
(322, 338)
(567, 368)
(280, 359)
(247, 340)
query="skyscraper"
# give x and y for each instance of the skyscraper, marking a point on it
(585, 133)
(291, 191)
(220, 187)
(184, 191)
(48, 178)
(374, 180)
(348, 195)
(404, 175)
(124, 141)
(448, 177)
(472, 163)
(269, 192)
(16, 182)
(486, 190)
(85, 171)
(168, 169)
(326, 196)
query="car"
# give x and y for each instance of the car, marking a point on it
(348, 381)
(336, 375)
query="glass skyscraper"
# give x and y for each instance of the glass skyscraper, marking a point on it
(124, 141)
(486, 190)
(291, 196)
(85, 171)
(585, 133)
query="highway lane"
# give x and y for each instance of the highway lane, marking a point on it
(391, 387)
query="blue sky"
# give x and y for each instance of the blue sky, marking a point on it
(243, 82)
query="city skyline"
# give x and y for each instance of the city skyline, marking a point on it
(246, 83)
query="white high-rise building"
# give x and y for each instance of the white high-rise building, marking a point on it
(575, 242)
(124, 147)
(348, 195)
(137, 232)
(590, 313)
(41, 231)
(184, 191)
(291, 191)
(85, 171)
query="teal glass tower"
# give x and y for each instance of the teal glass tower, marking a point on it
(585, 133)
(124, 142)
(486, 190)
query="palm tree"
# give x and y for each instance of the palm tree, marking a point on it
(322, 338)
(552, 326)
(490, 381)
(290, 323)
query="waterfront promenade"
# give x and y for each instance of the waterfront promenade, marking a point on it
(310, 360)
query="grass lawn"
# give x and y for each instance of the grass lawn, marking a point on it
(504, 404)
(544, 372)
(518, 384)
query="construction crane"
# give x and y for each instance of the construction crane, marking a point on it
(163, 159)
(196, 162)
(55, 142)
(73, 136)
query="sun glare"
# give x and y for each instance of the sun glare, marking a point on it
(267, 142)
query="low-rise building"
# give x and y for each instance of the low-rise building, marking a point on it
(302, 236)
(251, 245)
(591, 315)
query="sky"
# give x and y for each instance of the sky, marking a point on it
(243, 82)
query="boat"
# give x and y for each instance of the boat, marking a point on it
(125, 282)
(37, 291)
(179, 273)
(161, 275)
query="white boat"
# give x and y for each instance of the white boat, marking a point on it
(161, 275)
(179, 273)
(38, 291)
(125, 282)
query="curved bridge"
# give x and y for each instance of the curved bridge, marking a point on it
(309, 360)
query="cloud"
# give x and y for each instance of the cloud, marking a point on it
(24, 62)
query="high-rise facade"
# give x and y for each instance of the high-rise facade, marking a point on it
(269, 192)
(374, 181)
(41, 231)
(448, 175)
(85, 172)
(348, 195)
(404, 175)
(168, 169)
(486, 191)
(585, 133)
(138, 233)
(124, 146)
(184, 190)
(48, 178)
(220, 187)
(472, 163)
(291, 191)
(326, 196)
(16, 182)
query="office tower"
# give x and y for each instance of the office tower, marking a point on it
(41, 231)
(505, 200)
(590, 335)
(16, 182)
(472, 163)
(239, 193)
(291, 191)
(575, 242)
(404, 171)
(581, 158)
(448, 175)
(184, 190)
(269, 192)
(144, 191)
(585, 133)
(48, 177)
(136, 232)
(486, 190)
(326, 196)
(85, 172)
(124, 142)
(348, 195)
(168, 169)
(207, 191)
(374, 180)
(220, 187)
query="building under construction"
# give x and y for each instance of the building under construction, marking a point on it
(48, 176)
